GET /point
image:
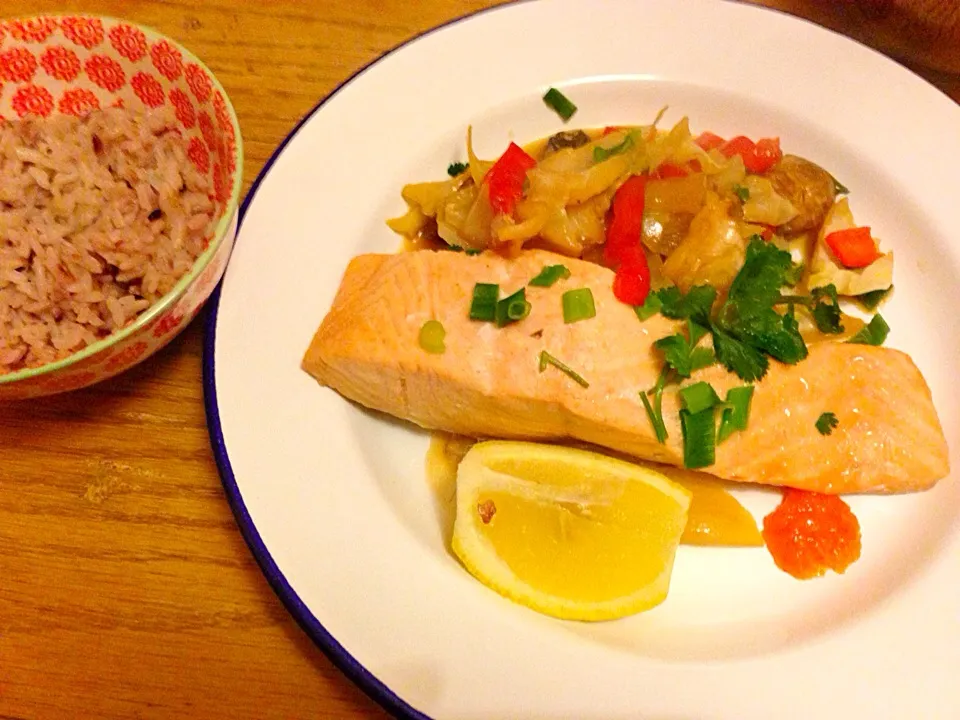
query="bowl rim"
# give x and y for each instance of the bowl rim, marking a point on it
(220, 231)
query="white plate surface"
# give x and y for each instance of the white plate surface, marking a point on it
(334, 502)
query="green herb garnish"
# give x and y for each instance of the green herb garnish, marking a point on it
(560, 104)
(736, 411)
(484, 303)
(512, 308)
(699, 437)
(454, 169)
(699, 397)
(694, 305)
(655, 411)
(870, 300)
(578, 305)
(873, 333)
(826, 423)
(741, 192)
(601, 153)
(651, 306)
(432, 336)
(680, 352)
(549, 275)
(748, 325)
(548, 359)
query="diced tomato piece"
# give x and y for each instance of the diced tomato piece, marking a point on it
(757, 157)
(854, 248)
(708, 141)
(695, 166)
(610, 129)
(767, 232)
(631, 284)
(505, 179)
(766, 154)
(740, 145)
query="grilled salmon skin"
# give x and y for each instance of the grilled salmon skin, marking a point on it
(488, 383)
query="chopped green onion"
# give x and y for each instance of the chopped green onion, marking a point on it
(741, 192)
(473, 251)
(826, 423)
(699, 397)
(736, 411)
(431, 338)
(512, 308)
(874, 333)
(656, 418)
(655, 412)
(870, 300)
(454, 169)
(548, 359)
(549, 275)
(578, 305)
(484, 304)
(651, 306)
(699, 438)
(601, 153)
(560, 104)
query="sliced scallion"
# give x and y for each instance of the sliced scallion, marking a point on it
(560, 104)
(578, 305)
(549, 275)
(484, 304)
(699, 397)
(432, 335)
(699, 438)
(651, 306)
(548, 359)
(736, 411)
(601, 153)
(512, 308)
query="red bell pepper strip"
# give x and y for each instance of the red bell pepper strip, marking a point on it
(708, 141)
(622, 251)
(854, 248)
(505, 179)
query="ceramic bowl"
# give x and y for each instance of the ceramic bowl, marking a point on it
(55, 64)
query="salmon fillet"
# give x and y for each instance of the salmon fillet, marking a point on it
(487, 383)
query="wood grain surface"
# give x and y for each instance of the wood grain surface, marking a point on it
(126, 590)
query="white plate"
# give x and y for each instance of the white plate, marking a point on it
(333, 500)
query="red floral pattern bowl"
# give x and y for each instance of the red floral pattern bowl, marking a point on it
(72, 64)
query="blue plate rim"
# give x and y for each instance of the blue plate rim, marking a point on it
(328, 644)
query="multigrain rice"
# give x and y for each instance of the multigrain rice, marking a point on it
(100, 216)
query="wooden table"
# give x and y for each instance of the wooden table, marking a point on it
(126, 590)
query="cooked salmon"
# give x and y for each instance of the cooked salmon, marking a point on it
(488, 383)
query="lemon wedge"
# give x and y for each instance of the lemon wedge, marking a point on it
(567, 532)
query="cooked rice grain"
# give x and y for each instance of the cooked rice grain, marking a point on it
(99, 218)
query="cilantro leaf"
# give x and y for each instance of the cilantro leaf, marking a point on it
(454, 169)
(738, 357)
(826, 423)
(651, 306)
(765, 270)
(695, 305)
(681, 354)
(874, 333)
(826, 309)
